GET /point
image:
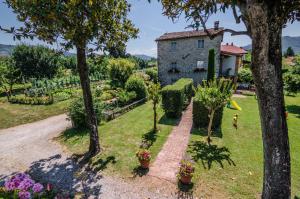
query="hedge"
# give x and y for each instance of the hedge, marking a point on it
(200, 116)
(45, 100)
(136, 84)
(176, 96)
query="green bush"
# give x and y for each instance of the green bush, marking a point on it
(153, 74)
(176, 96)
(120, 70)
(125, 98)
(292, 80)
(200, 116)
(137, 85)
(77, 113)
(245, 76)
(106, 95)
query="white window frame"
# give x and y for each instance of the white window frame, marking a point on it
(200, 64)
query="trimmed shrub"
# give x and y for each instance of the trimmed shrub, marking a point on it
(200, 116)
(77, 113)
(176, 96)
(153, 74)
(120, 70)
(137, 85)
(211, 65)
(245, 76)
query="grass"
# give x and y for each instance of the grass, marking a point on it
(120, 139)
(16, 114)
(234, 162)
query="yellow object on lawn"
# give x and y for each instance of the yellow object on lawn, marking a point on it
(234, 105)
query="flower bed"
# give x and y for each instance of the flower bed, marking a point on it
(23, 187)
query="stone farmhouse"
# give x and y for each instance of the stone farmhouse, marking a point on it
(185, 54)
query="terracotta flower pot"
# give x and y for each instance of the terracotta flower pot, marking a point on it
(145, 163)
(186, 179)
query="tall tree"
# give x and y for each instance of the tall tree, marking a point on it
(76, 23)
(211, 65)
(264, 20)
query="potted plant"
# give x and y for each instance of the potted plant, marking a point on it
(186, 171)
(144, 157)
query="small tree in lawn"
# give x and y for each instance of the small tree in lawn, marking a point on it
(79, 24)
(154, 96)
(289, 52)
(9, 75)
(211, 65)
(214, 95)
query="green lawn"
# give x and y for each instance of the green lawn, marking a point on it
(121, 138)
(234, 164)
(16, 114)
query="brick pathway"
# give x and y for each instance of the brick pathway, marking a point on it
(167, 161)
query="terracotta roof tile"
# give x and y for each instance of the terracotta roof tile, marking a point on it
(188, 34)
(232, 49)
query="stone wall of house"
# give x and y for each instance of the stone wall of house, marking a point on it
(186, 55)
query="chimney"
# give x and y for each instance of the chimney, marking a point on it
(216, 26)
(232, 43)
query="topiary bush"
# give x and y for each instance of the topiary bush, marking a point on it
(77, 113)
(200, 116)
(176, 96)
(137, 84)
(245, 76)
(120, 70)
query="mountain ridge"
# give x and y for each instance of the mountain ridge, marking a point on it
(287, 41)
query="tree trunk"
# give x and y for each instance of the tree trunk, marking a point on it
(94, 147)
(266, 32)
(211, 117)
(155, 118)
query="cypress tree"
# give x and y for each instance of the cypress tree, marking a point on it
(211, 65)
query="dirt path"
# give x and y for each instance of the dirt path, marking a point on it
(24, 144)
(167, 161)
(30, 148)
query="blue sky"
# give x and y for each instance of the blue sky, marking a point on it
(151, 23)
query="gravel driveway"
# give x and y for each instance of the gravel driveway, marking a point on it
(30, 148)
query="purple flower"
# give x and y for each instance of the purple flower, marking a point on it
(37, 188)
(9, 185)
(21, 176)
(26, 184)
(24, 195)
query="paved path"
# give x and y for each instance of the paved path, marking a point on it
(31, 148)
(167, 161)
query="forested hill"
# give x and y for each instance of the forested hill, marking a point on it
(287, 41)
